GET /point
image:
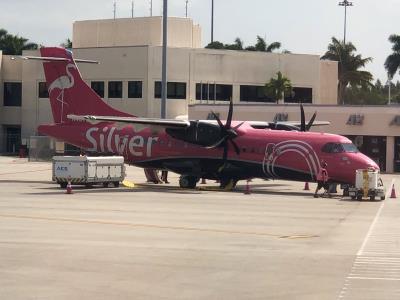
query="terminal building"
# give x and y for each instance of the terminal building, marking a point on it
(199, 80)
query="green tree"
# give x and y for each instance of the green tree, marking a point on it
(349, 65)
(392, 63)
(237, 45)
(14, 44)
(278, 87)
(365, 95)
(262, 46)
(378, 85)
(67, 43)
(215, 45)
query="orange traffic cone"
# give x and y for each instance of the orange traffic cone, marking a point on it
(306, 186)
(247, 191)
(393, 194)
(203, 181)
(69, 187)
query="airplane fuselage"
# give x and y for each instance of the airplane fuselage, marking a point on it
(264, 153)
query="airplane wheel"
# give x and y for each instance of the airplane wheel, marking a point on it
(228, 182)
(188, 182)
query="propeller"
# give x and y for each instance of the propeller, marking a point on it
(303, 125)
(227, 134)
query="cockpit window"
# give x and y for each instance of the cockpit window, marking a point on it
(332, 148)
(350, 148)
(339, 148)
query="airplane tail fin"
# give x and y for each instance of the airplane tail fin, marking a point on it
(69, 94)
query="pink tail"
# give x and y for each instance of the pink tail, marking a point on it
(68, 93)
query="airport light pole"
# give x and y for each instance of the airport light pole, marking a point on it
(212, 21)
(389, 82)
(164, 61)
(345, 3)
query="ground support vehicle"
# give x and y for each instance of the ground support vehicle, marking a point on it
(368, 186)
(88, 171)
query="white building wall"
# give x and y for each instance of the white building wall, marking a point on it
(135, 32)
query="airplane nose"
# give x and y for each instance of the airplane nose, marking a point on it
(367, 163)
(373, 165)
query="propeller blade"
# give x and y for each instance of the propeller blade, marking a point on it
(217, 118)
(236, 147)
(230, 114)
(237, 126)
(217, 144)
(311, 122)
(303, 119)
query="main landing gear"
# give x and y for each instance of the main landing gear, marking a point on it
(188, 182)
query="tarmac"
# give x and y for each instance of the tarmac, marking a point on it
(163, 242)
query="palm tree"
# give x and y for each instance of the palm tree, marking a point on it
(262, 46)
(215, 45)
(276, 88)
(237, 45)
(349, 65)
(67, 43)
(392, 63)
(14, 44)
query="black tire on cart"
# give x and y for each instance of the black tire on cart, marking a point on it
(63, 185)
(372, 198)
(116, 183)
(359, 197)
(383, 198)
(105, 184)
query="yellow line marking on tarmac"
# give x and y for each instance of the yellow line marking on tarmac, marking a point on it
(42, 218)
(128, 184)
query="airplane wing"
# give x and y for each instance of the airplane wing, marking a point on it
(167, 123)
(295, 125)
(298, 123)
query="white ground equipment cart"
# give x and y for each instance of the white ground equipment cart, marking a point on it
(368, 185)
(86, 170)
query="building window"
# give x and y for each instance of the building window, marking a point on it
(254, 93)
(211, 91)
(134, 89)
(115, 89)
(12, 93)
(175, 90)
(98, 87)
(43, 92)
(299, 95)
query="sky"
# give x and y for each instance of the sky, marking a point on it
(301, 26)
